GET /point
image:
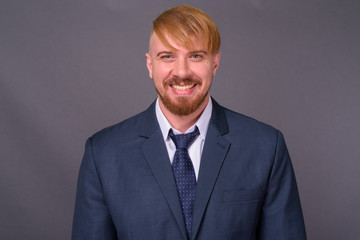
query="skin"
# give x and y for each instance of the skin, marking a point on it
(182, 78)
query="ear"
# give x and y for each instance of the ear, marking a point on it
(216, 61)
(149, 64)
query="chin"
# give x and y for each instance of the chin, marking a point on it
(183, 106)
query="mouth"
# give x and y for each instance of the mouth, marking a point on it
(182, 87)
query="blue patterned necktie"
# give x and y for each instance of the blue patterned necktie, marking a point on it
(184, 174)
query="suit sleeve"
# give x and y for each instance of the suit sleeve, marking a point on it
(92, 219)
(281, 217)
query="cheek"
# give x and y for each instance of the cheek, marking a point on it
(160, 71)
(205, 73)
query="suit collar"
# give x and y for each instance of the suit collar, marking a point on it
(218, 118)
(149, 122)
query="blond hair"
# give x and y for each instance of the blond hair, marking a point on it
(181, 23)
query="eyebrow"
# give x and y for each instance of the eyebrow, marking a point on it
(199, 51)
(192, 52)
(163, 52)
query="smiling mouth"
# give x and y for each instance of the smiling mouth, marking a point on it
(182, 87)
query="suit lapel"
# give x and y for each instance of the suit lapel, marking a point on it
(215, 150)
(155, 153)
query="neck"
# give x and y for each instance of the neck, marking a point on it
(183, 123)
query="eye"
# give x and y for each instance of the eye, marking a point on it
(166, 57)
(196, 57)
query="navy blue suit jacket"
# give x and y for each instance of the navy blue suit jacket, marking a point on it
(246, 186)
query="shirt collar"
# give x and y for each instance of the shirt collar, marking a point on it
(202, 123)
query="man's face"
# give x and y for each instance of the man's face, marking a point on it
(182, 77)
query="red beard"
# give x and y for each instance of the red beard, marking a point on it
(182, 105)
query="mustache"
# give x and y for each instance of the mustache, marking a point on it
(186, 81)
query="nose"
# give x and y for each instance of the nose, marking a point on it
(181, 68)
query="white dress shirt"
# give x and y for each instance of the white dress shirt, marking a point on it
(196, 148)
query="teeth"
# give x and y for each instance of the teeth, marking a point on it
(183, 88)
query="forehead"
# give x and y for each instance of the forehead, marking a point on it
(193, 43)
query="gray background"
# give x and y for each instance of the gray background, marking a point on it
(69, 68)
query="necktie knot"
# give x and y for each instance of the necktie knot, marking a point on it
(183, 141)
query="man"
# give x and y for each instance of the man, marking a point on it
(186, 168)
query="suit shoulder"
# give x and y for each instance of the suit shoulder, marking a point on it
(245, 130)
(122, 131)
(245, 124)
